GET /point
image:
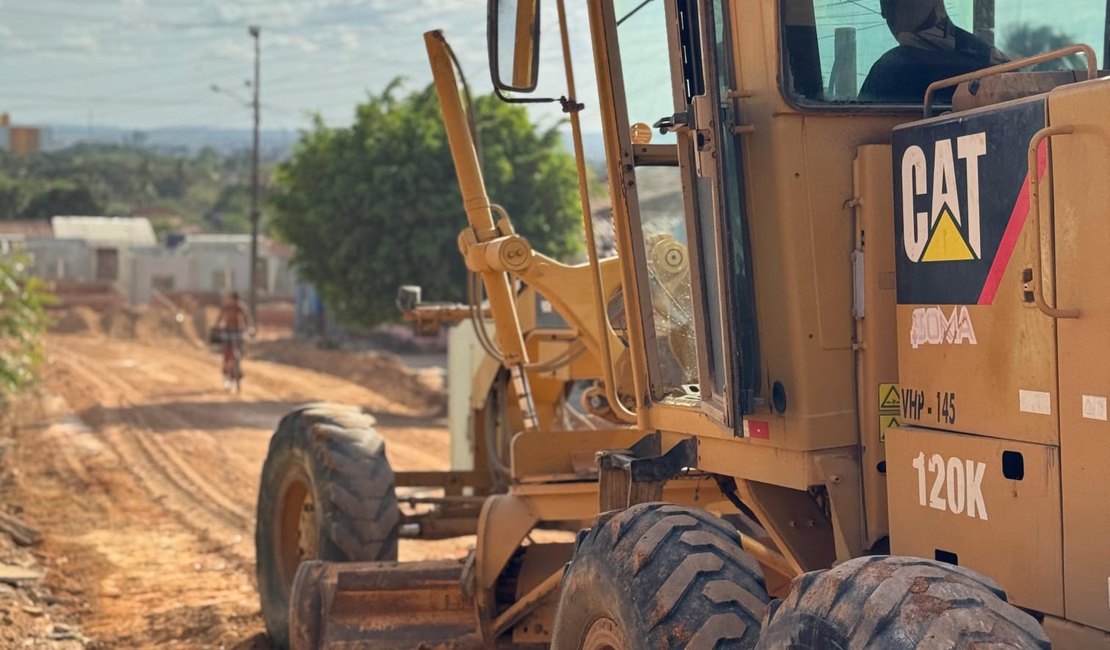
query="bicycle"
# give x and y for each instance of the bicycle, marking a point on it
(231, 344)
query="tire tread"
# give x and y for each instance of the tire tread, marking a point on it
(682, 577)
(895, 603)
(344, 458)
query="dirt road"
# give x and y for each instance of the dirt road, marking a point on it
(142, 475)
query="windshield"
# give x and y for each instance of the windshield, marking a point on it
(645, 62)
(889, 51)
(647, 91)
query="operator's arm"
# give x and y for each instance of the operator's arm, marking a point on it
(220, 318)
(247, 319)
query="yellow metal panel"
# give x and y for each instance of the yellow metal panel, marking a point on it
(949, 494)
(877, 393)
(1081, 194)
(976, 360)
(542, 454)
(578, 501)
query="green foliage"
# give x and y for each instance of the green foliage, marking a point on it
(23, 300)
(208, 191)
(376, 205)
(61, 199)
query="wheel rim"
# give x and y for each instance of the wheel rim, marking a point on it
(297, 529)
(604, 634)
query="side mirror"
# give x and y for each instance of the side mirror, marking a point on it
(513, 39)
(408, 297)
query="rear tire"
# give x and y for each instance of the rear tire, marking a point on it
(326, 493)
(897, 603)
(660, 576)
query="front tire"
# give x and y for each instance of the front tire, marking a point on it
(660, 576)
(326, 493)
(897, 603)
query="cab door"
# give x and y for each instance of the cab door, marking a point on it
(706, 95)
(681, 182)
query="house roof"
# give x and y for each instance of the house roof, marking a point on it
(25, 229)
(238, 241)
(218, 239)
(121, 230)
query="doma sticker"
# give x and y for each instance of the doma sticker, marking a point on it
(931, 326)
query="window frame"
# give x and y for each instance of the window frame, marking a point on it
(804, 105)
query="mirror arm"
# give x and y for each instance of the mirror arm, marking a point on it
(522, 100)
(571, 105)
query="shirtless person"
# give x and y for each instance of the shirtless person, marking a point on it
(233, 322)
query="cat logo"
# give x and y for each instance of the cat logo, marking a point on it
(943, 234)
(960, 199)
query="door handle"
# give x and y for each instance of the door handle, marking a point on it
(1035, 211)
(676, 123)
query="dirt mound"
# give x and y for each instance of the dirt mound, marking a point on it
(204, 317)
(154, 324)
(75, 320)
(120, 323)
(380, 372)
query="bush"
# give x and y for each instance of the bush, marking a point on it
(23, 320)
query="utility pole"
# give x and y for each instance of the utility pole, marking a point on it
(254, 31)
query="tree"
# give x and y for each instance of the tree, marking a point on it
(376, 205)
(61, 199)
(10, 198)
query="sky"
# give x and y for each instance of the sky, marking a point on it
(144, 64)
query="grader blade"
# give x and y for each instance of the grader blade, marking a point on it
(370, 605)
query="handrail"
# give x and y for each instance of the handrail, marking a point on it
(607, 360)
(1010, 66)
(1035, 213)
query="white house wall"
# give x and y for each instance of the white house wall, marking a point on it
(201, 268)
(148, 267)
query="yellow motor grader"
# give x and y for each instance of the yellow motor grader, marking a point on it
(847, 390)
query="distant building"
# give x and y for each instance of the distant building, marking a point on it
(123, 254)
(20, 140)
(221, 262)
(92, 250)
(15, 233)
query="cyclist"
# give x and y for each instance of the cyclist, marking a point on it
(232, 323)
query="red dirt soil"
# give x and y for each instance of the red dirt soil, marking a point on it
(142, 473)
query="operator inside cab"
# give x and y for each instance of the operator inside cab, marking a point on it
(930, 48)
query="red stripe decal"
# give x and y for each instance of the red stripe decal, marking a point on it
(1013, 230)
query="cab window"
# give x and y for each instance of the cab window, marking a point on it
(889, 51)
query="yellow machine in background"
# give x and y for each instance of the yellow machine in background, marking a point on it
(847, 390)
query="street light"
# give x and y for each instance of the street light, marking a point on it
(220, 90)
(255, 31)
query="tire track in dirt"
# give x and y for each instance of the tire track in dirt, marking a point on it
(421, 445)
(153, 477)
(147, 567)
(164, 474)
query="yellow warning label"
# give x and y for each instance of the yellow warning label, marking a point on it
(886, 422)
(946, 244)
(889, 400)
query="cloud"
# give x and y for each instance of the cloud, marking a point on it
(292, 41)
(348, 40)
(238, 49)
(81, 40)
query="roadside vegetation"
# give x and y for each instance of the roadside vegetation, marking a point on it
(23, 321)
